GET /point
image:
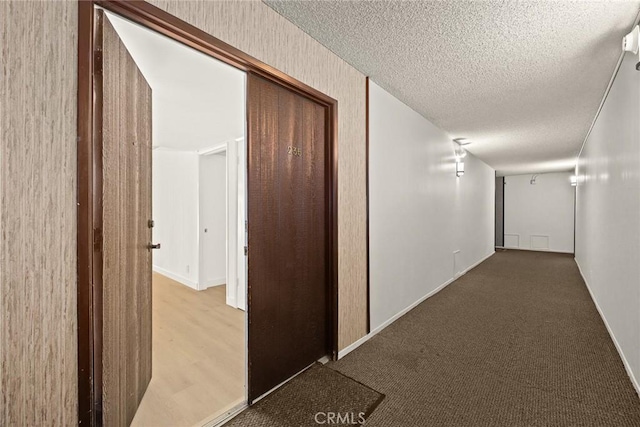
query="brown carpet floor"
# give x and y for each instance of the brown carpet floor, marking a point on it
(515, 342)
(319, 390)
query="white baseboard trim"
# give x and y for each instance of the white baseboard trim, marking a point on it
(634, 381)
(395, 317)
(178, 278)
(348, 349)
(477, 263)
(536, 250)
(213, 282)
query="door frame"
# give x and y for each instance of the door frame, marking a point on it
(89, 177)
(236, 219)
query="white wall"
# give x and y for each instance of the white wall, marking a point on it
(539, 216)
(189, 196)
(213, 219)
(608, 214)
(198, 101)
(420, 212)
(175, 213)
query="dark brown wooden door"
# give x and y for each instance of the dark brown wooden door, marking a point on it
(126, 157)
(288, 219)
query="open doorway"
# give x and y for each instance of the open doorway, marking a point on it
(198, 320)
(282, 259)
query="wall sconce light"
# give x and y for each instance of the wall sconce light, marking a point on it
(631, 43)
(460, 154)
(462, 141)
(574, 180)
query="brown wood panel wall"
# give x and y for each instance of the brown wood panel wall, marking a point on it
(258, 30)
(126, 107)
(38, 357)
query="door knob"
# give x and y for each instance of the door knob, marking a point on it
(152, 246)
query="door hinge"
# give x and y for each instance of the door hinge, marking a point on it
(246, 250)
(246, 225)
(97, 240)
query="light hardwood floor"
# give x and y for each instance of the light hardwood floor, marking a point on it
(198, 356)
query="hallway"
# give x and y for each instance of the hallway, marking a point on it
(442, 132)
(516, 341)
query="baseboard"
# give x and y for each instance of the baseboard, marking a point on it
(634, 381)
(178, 278)
(536, 250)
(213, 282)
(348, 349)
(477, 263)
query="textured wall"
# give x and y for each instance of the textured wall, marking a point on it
(607, 220)
(38, 213)
(37, 185)
(256, 29)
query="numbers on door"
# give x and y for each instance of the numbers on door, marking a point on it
(294, 151)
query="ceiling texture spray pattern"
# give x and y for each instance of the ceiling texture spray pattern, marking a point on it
(522, 80)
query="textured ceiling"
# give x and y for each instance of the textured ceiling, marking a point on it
(523, 80)
(198, 101)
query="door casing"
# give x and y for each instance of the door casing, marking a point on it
(89, 176)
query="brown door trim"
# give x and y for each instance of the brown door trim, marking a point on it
(89, 176)
(367, 189)
(85, 214)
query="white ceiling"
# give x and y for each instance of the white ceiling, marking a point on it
(523, 80)
(198, 101)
